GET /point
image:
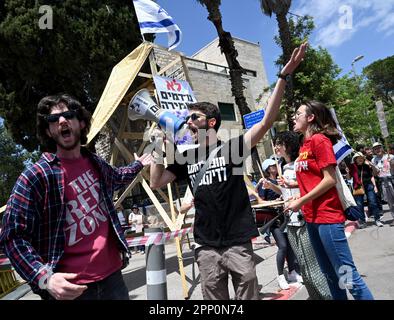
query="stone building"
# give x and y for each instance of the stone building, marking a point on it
(208, 74)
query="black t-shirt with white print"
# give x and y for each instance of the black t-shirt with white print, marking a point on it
(223, 214)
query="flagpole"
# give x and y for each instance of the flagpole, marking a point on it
(135, 11)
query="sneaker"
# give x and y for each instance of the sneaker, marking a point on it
(379, 223)
(267, 239)
(294, 277)
(282, 282)
(362, 225)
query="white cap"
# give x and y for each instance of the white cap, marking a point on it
(356, 155)
(376, 144)
(266, 163)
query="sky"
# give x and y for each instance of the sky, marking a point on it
(347, 29)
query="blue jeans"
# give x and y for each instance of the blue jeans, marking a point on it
(112, 287)
(373, 207)
(336, 262)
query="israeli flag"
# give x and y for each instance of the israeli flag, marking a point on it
(342, 147)
(154, 19)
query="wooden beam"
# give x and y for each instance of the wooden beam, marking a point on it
(128, 189)
(132, 135)
(129, 157)
(181, 268)
(143, 144)
(145, 75)
(168, 66)
(158, 206)
(181, 217)
(171, 201)
(114, 155)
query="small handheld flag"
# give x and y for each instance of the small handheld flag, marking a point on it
(342, 147)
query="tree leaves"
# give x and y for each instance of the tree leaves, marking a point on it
(76, 56)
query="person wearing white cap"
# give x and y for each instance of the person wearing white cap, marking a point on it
(385, 164)
(268, 189)
(362, 172)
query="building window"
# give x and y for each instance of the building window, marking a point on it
(250, 73)
(227, 111)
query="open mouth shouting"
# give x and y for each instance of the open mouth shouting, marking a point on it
(66, 133)
(194, 132)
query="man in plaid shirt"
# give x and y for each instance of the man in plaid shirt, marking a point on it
(60, 230)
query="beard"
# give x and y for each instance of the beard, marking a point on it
(202, 132)
(67, 146)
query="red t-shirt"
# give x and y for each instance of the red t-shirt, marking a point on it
(91, 247)
(316, 154)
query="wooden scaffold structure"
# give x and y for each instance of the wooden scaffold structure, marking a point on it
(123, 137)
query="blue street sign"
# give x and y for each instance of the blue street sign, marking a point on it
(252, 118)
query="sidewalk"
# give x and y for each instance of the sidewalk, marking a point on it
(135, 275)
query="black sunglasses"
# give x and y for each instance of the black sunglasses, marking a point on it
(193, 116)
(56, 116)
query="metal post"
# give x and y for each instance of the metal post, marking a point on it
(156, 273)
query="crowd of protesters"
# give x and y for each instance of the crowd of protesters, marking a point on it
(63, 235)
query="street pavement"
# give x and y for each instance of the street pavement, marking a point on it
(372, 249)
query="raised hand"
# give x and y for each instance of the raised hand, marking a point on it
(296, 58)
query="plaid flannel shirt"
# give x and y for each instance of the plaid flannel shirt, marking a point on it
(32, 235)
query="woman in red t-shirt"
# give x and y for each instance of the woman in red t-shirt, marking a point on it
(315, 169)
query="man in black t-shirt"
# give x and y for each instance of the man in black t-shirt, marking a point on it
(224, 224)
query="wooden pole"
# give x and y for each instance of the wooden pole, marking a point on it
(171, 202)
(276, 161)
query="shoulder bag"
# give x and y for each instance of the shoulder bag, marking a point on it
(352, 211)
(360, 190)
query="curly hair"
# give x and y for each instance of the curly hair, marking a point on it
(323, 121)
(291, 141)
(209, 109)
(44, 108)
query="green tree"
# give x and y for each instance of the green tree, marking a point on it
(315, 77)
(356, 110)
(381, 76)
(76, 56)
(12, 163)
(381, 83)
(280, 8)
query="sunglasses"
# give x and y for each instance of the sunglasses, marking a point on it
(56, 116)
(194, 117)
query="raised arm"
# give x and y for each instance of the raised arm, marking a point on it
(256, 133)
